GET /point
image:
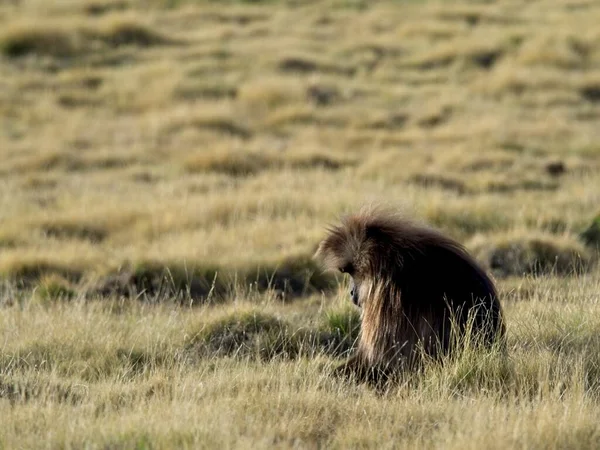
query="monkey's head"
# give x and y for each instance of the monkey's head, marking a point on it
(363, 246)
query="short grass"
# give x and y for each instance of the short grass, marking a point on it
(168, 168)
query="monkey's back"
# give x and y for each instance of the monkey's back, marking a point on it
(441, 284)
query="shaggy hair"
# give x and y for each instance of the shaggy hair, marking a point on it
(420, 291)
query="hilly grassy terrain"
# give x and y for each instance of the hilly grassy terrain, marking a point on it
(168, 168)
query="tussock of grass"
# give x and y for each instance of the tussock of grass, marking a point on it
(238, 163)
(20, 391)
(590, 91)
(90, 232)
(54, 287)
(81, 227)
(444, 182)
(483, 56)
(465, 223)
(435, 117)
(193, 282)
(323, 94)
(100, 7)
(26, 271)
(222, 125)
(203, 89)
(50, 160)
(8, 239)
(43, 40)
(234, 163)
(318, 160)
(79, 100)
(130, 31)
(70, 39)
(522, 185)
(474, 15)
(153, 281)
(492, 161)
(235, 15)
(528, 253)
(342, 325)
(307, 64)
(390, 121)
(256, 334)
(78, 360)
(591, 235)
(250, 334)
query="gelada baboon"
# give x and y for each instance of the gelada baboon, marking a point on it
(420, 292)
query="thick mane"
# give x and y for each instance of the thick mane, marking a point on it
(388, 233)
(401, 239)
(345, 241)
(383, 242)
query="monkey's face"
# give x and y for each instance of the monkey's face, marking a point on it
(354, 285)
(350, 251)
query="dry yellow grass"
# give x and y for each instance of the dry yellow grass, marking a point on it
(255, 373)
(195, 149)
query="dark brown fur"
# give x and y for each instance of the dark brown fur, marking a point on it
(417, 288)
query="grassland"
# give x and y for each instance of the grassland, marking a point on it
(168, 168)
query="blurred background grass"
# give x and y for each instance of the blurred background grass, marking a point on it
(212, 135)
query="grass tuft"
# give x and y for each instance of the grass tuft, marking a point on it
(38, 39)
(239, 163)
(54, 287)
(306, 64)
(529, 253)
(19, 391)
(101, 7)
(233, 163)
(591, 92)
(71, 230)
(70, 39)
(248, 334)
(342, 325)
(257, 334)
(28, 271)
(130, 31)
(591, 235)
(194, 283)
